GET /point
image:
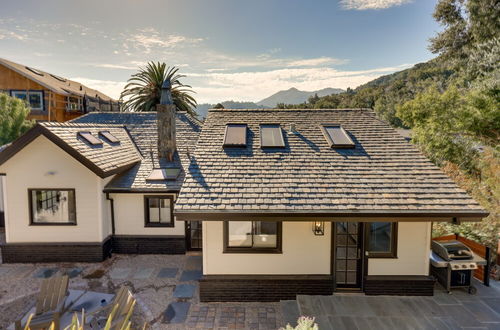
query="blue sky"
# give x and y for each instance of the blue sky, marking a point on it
(229, 49)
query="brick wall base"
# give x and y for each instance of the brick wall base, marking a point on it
(131, 244)
(399, 285)
(262, 288)
(56, 252)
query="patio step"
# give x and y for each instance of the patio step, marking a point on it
(290, 311)
(311, 306)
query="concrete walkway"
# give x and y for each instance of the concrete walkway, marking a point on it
(458, 310)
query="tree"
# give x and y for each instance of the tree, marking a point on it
(143, 90)
(13, 122)
(466, 23)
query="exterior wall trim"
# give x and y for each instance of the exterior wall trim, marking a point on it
(149, 244)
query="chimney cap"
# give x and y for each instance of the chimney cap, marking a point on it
(166, 94)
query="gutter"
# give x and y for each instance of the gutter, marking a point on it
(112, 205)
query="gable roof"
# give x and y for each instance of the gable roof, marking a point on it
(143, 129)
(104, 160)
(382, 176)
(55, 83)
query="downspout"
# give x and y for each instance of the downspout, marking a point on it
(112, 206)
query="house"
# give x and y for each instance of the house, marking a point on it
(312, 202)
(98, 186)
(51, 97)
(280, 202)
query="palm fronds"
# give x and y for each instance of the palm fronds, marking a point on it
(143, 90)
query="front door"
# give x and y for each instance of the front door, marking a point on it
(193, 235)
(348, 254)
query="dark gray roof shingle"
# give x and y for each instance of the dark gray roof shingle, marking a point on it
(143, 129)
(382, 173)
(107, 157)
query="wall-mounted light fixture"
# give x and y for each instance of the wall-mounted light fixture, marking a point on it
(318, 228)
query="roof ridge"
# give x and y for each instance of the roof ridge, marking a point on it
(73, 124)
(283, 110)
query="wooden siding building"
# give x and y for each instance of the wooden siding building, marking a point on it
(51, 97)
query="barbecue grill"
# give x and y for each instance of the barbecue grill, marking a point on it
(452, 263)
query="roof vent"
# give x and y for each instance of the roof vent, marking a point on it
(291, 128)
(336, 136)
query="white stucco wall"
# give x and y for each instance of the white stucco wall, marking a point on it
(303, 253)
(42, 164)
(413, 252)
(129, 217)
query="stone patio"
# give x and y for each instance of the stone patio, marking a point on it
(165, 286)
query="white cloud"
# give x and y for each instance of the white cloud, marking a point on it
(108, 87)
(149, 38)
(371, 4)
(254, 86)
(316, 62)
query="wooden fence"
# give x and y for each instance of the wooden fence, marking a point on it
(482, 273)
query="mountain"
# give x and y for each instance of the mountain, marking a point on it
(202, 109)
(295, 96)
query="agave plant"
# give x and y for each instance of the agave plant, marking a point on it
(143, 90)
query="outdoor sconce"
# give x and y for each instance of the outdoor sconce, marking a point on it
(318, 228)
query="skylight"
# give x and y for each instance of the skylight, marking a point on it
(162, 174)
(61, 79)
(271, 136)
(336, 136)
(236, 135)
(88, 137)
(35, 71)
(108, 136)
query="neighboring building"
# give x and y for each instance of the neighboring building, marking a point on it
(91, 191)
(290, 201)
(312, 201)
(51, 98)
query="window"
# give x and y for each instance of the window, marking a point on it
(52, 207)
(88, 137)
(162, 174)
(33, 98)
(252, 236)
(159, 211)
(108, 136)
(382, 239)
(236, 135)
(336, 136)
(271, 136)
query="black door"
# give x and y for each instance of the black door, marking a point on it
(348, 254)
(193, 235)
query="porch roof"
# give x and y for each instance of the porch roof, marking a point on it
(383, 175)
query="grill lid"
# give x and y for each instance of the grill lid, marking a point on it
(452, 250)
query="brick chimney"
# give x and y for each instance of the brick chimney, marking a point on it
(166, 123)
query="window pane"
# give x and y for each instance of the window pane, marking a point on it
(338, 136)
(165, 215)
(35, 101)
(271, 136)
(266, 234)
(53, 206)
(236, 135)
(20, 95)
(380, 236)
(154, 210)
(240, 233)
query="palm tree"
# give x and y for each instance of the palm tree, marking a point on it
(143, 90)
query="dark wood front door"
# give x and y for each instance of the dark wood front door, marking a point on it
(193, 236)
(348, 254)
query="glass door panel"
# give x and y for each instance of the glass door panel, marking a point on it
(348, 256)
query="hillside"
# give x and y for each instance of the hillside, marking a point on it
(386, 93)
(295, 96)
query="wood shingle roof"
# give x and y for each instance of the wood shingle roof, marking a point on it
(383, 174)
